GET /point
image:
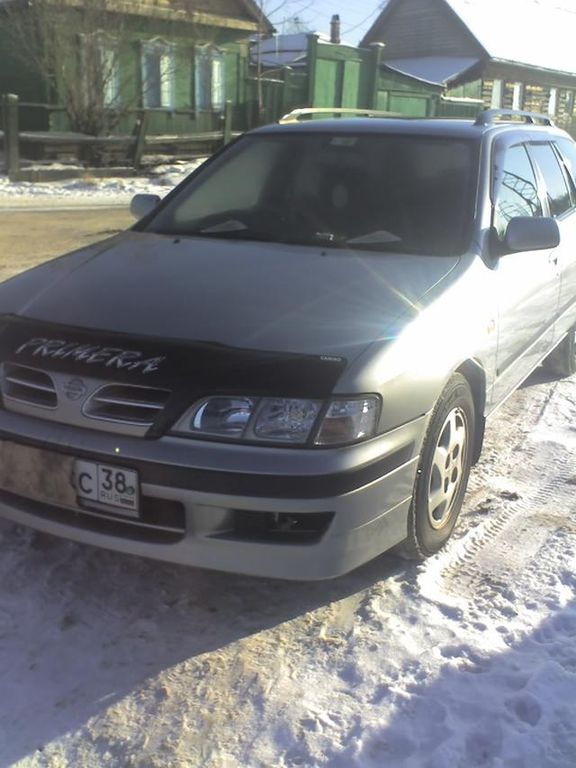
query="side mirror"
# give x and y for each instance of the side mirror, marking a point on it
(528, 233)
(142, 205)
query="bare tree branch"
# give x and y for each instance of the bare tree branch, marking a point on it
(76, 46)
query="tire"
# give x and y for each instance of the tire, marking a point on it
(443, 471)
(562, 361)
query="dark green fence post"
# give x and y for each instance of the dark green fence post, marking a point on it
(312, 61)
(11, 136)
(286, 88)
(227, 136)
(377, 49)
(140, 132)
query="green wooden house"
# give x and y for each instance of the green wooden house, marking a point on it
(92, 66)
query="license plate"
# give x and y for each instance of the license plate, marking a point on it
(112, 487)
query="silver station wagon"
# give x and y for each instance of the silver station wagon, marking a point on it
(285, 367)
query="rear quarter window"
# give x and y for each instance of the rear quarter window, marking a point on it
(567, 151)
(557, 190)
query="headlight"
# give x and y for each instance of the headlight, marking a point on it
(293, 421)
(287, 421)
(349, 421)
(223, 416)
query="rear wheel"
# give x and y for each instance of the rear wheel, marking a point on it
(562, 360)
(442, 472)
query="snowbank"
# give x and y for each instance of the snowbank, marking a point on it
(90, 190)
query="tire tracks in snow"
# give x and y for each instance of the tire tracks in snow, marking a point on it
(521, 494)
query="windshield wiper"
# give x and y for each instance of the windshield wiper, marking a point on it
(237, 230)
(230, 225)
(381, 240)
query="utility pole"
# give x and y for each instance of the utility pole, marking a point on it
(259, 83)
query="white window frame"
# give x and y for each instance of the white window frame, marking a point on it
(105, 47)
(111, 70)
(497, 94)
(518, 96)
(164, 97)
(209, 79)
(553, 101)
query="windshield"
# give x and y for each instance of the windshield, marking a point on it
(381, 192)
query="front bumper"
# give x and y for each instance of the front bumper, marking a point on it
(326, 511)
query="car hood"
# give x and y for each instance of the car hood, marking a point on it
(257, 296)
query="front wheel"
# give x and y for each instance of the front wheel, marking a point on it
(443, 471)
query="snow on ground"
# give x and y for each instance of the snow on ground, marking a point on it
(465, 661)
(89, 190)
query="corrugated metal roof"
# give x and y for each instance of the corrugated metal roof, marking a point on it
(538, 33)
(437, 70)
(286, 50)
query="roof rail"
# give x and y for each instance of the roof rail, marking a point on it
(489, 116)
(297, 114)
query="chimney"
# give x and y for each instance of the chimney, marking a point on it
(335, 29)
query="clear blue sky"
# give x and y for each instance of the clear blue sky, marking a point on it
(356, 16)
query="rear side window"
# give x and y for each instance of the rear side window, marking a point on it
(518, 193)
(557, 191)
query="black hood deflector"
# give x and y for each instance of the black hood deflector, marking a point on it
(191, 370)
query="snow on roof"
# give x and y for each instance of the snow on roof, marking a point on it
(286, 50)
(437, 70)
(281, 59)
(281, 50)
(298, 41)
(537, 33)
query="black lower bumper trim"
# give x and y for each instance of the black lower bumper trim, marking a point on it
(273, 486)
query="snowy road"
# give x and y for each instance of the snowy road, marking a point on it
(465, 661)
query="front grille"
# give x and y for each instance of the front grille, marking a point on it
(126, 404)
(29, 386)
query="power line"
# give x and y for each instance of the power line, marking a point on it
(347, 30)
